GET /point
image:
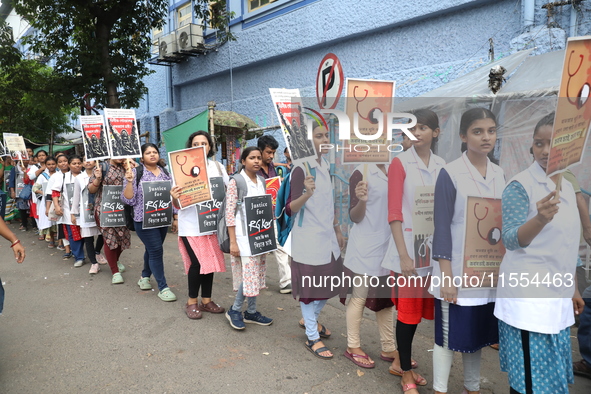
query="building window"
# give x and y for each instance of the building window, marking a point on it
(256, 4)
(184, 15)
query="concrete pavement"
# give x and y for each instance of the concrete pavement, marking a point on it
(64, 331)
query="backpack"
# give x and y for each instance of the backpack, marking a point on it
(284, 221)
(222, 228)
(127, 209)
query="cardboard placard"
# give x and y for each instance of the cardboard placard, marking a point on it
(94, 137)
(207, 212)
(112, 208)
(288, 107)
(15, 145)
(123, 135)
(70, 191)
(273, 185)
(260, 224)
(423, 226)
(157, 204)
(573, 110)
(369, 102)
(189, 171)
(88, 208)
(483, 247)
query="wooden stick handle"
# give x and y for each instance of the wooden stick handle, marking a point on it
(558, 185)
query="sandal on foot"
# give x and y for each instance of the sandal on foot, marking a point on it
(421, 381)
(310, 344)
(582, 368)
(322, 331)
(352, 356)
(408, 387)
(413, 363)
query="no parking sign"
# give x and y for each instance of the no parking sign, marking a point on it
(329, 82)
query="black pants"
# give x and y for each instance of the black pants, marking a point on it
(24, 213)
(196, 279)
(404, 336)
(90, 251)
(526, 366)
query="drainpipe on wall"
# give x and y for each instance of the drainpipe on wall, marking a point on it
(573, 21)
(528, 13)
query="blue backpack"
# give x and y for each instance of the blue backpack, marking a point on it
(284, 221)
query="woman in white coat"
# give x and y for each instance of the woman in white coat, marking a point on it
(541, 234)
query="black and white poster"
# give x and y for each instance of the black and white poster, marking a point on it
(88, 207)
(94, 137)
(260, 224)
(124, 138)
(112, 209)
(157, 204)
(207, 212)
(70, 193)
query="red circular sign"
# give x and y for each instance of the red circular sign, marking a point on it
(329, 82)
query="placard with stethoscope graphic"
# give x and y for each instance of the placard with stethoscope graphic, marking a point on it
(483, 247)
(423, 228)
(367, 105)
(189, 171)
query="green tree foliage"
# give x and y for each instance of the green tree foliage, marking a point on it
(100, 46)
(215, 15)
(30, 104)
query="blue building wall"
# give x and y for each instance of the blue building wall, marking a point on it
(421, 44)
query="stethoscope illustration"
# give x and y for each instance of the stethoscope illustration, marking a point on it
(194, 172)
(494, 235)
(580, 99)
(371, 118)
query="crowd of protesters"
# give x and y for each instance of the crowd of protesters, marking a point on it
(51, 195)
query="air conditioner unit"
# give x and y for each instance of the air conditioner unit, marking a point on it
(189, 37)
(167, 47)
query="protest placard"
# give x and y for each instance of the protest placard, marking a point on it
(273, 185)
(368, 103)
(112, 209)
(483, 247)
(288, 107)
(207, 212)
(123, 135)
(87, 206)
(15, 144)
(94, 137)
(157, 204)
(189, 171)
(573, 110)
(70, 192)
(423, 227)
(260, 224)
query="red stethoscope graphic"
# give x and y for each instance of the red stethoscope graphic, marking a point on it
(494, 235)
(581, 98)
(194, 172)
(371, 115)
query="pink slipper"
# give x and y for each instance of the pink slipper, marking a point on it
(413, 364)
(351, 356)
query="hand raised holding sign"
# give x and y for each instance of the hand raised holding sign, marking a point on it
(547, 208)
(309, 185)
(129, 174)
(361, 191)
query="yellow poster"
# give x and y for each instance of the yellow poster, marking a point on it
(367, 106)
(573, 111)
(483, 246)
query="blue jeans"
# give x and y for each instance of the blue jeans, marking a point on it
(310, 314)
(76, 246)
(239, 300)
(153, 239)
(584, 333)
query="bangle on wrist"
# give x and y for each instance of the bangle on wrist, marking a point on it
(18, 241)
(336, 225)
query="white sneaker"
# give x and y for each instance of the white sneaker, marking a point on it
(100, 258)
(121, 267)
(94, 269)
(79, 263)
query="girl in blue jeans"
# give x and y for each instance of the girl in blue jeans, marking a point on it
(153, 238)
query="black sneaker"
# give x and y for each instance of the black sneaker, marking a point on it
(257, 318)
(235, 319)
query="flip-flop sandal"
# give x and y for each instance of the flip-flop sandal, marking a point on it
(421, 381)
(309, 344)
(322, 331)
(408, 387)
(351, 356)
(413, 363)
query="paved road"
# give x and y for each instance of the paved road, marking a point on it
(64, 331)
